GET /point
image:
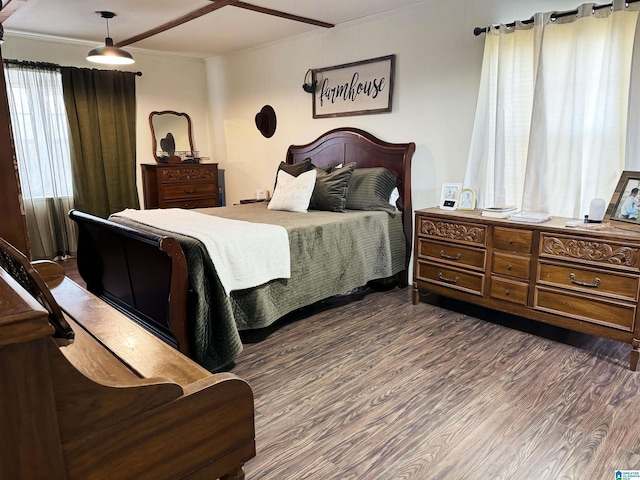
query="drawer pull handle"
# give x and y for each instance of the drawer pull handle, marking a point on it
(448, 280)
(510, 240)
(509, 267)
(572, 277)
(443, 255)
(190, 190)
(506, 292)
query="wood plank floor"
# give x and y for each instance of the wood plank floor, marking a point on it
(383, 389)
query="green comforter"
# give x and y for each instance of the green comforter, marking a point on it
(331, 253)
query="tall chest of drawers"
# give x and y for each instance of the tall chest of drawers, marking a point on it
(583, 279)
(180, 185)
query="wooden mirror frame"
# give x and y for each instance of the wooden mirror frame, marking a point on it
(628, 180)
(154, 141)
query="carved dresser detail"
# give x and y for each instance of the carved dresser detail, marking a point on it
(180, 185)
(583, 279)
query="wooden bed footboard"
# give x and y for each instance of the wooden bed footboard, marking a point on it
(141, 274)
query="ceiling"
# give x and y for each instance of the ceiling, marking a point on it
(225, 30)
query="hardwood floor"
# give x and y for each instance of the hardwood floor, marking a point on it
(383, 389)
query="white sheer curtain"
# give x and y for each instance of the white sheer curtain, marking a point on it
(500, 139)
(40, 131)
(550, 127)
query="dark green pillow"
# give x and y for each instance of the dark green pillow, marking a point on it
(294, 169)
(370, 189)
(330, 192)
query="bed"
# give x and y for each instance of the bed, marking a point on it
(167, 281)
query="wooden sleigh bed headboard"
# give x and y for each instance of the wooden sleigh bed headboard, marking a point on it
(144, 274)
(344, 145)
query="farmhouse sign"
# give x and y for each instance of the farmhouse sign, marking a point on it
(358, 88)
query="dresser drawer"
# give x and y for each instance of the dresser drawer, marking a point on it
(187, 191)
(592, 310)
(470, 282)
(592, 281)
(512, 239)
(194, 203)
(590, 250)
(509, 290)
(208, 173)
(512, 265)
(452, 253)
(456, 231)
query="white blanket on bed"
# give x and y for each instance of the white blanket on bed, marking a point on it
(245, 254)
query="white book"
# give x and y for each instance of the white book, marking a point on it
(531, 217)
(498, 214)
(500, 208)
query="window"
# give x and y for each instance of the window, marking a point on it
(551, 121)
(41, 137)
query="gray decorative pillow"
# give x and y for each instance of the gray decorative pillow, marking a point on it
(370, 189)
(330, 192)
(294, 169)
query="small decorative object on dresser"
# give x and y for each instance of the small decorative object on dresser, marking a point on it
(623, 208)
(180, 185)
(577, 278)
(450, 195)
(467, 199)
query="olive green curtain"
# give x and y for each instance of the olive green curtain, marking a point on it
(101, 108)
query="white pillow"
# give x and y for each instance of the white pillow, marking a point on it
(394, 196)
(293, 193)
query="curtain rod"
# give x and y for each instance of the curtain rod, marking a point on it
(478, 30)
(44, 65)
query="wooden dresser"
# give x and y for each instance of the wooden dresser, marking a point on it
(583, 279)
(180, 185)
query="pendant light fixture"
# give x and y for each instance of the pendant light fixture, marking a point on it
(109, 54)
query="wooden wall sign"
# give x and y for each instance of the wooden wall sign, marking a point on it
(358, 88)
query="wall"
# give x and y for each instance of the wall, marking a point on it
(438, 63)
(169, 82)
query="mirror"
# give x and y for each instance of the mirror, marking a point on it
(624, 208)
(171, 137)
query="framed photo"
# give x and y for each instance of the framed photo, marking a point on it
(358, 88)
(624, 207)
(450, 195)
(467, 199)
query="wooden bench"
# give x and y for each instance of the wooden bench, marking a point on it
(113, 402)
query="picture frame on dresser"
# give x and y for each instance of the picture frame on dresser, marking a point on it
(617, 212)
(467, 199)
(450, 196)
